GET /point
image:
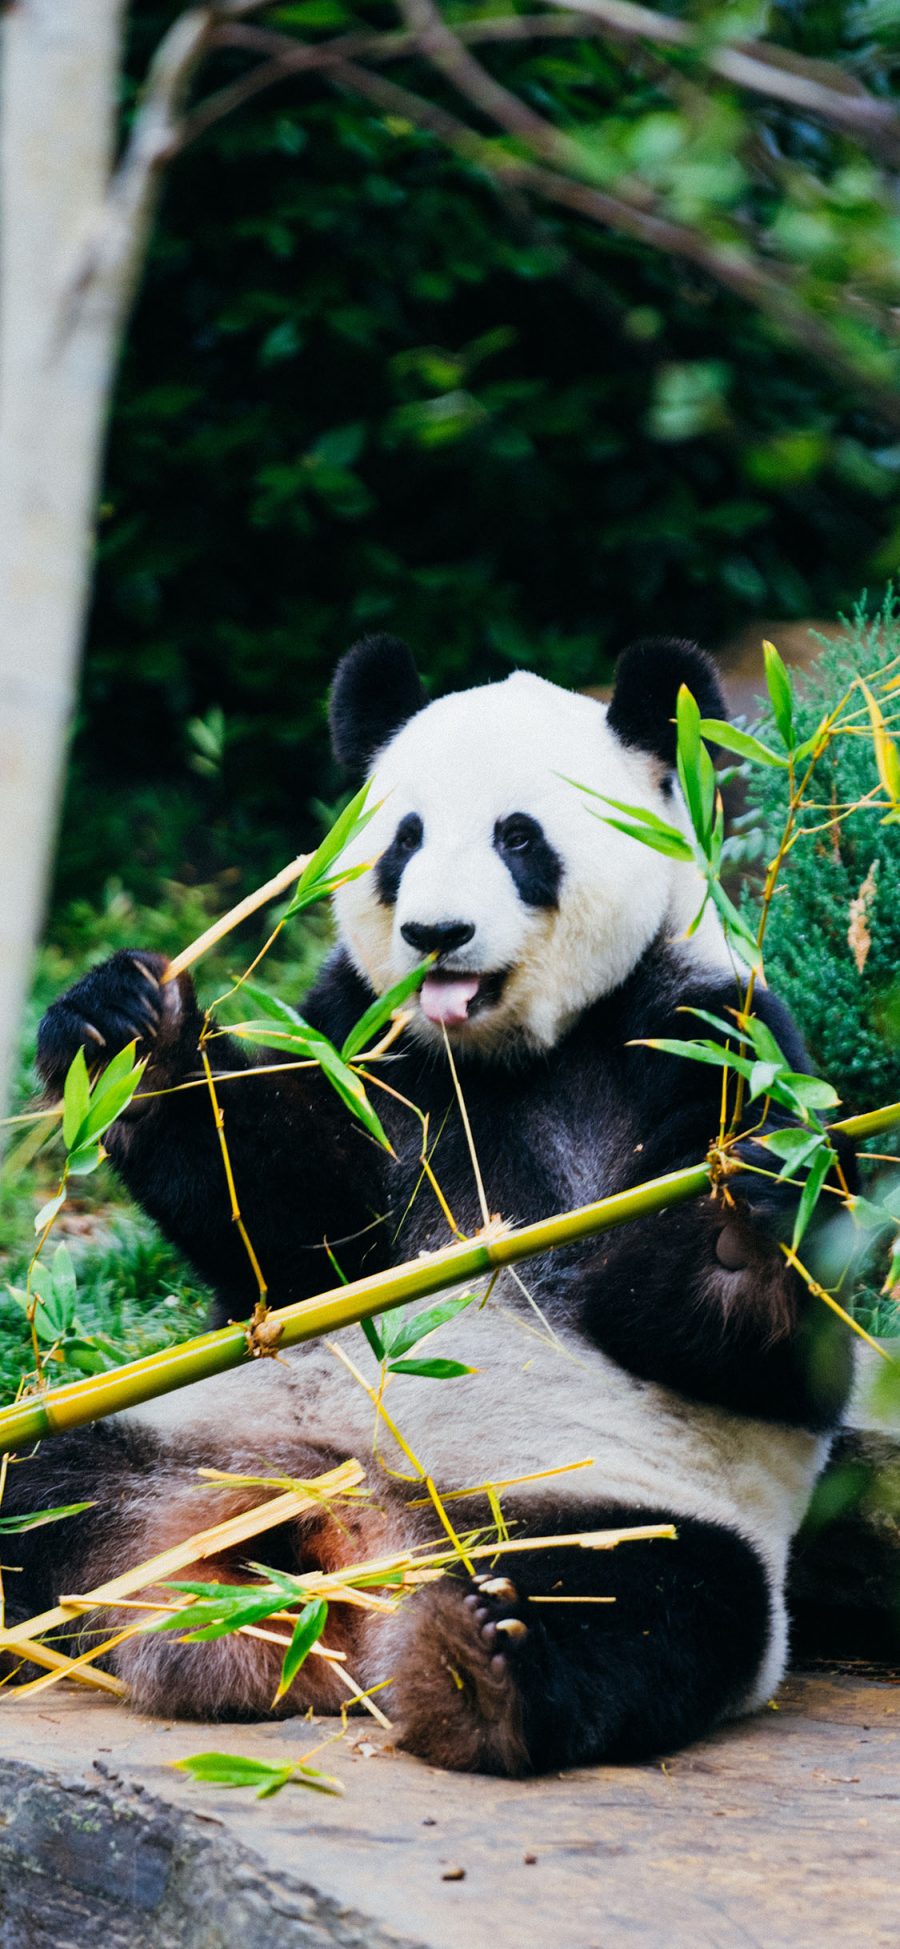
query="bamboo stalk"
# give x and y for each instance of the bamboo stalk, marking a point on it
(36, 1417)
(279, 883)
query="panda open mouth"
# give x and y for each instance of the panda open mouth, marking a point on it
(450, 997)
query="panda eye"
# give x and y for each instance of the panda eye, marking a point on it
(516, 835)
(408, 837)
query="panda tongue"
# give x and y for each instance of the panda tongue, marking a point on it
(446, 998)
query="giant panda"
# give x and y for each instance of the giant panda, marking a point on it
(678, 1354)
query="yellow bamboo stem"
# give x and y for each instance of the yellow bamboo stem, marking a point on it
(279, 884)
(36, 1417)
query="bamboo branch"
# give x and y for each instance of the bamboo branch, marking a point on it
(37, 1417)
(272, 889)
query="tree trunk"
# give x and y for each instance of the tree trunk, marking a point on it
(58, 99)
(73, 234)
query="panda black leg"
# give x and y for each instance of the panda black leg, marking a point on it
(493, 1677)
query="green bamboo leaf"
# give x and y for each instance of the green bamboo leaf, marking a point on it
(762, 1076)
(307, 1630)
(407, 1332)
(218, 1617)
(107, 1107)
(323, 889)
(232, 1770)
(812, 1091)
(273, 1007)
(114, 1072)
(351, 1091)
(871, 1217)
(670, 842)
(84, 1160)
(12, 1525)
(48, 1211)
(809, 1196)
(795, 1147)
(315, 1047)
(778, 684)
(708, 1052)
(639, 813)
(764, 1042)
(223, 1593)
(695, 767)
(715, 1021)
(380, 1011)
(76, 1099)
(736, 927)
(370, 1329)
(741, 742)
(352, 821)
(431, 1370)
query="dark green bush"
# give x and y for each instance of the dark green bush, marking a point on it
(851, 1019)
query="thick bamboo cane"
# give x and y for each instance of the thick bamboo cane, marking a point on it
(38, 1416)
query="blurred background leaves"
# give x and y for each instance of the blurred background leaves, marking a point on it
(363, 390)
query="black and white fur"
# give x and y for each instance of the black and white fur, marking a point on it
(678, 1353)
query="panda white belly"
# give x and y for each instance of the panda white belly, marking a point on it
(537, 1402)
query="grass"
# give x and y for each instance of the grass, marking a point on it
(133, 1287)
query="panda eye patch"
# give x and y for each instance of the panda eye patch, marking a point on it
(534, 867)
(389, 871)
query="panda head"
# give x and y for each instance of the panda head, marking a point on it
(487, 857)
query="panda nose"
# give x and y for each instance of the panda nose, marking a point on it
(441, 937)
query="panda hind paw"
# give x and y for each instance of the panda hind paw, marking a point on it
(459, 1683)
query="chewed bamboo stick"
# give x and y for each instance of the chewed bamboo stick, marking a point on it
(58, 1665)
(272, 889)
(203, 1543)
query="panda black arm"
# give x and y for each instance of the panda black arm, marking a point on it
(304, 1169)
(700, 1297)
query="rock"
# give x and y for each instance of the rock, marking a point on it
(780, 1830)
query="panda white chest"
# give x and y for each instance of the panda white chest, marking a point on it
(536, 1402)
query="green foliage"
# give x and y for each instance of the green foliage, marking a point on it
(850, 1016)
(134, 1295)
(233, 1770)
(361, 393)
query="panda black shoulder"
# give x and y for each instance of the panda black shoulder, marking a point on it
(338, 997)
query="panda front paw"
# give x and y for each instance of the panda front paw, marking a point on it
(124, 1000)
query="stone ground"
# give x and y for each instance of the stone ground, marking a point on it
(781, 1832)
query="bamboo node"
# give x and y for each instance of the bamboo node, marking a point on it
(262, 1333)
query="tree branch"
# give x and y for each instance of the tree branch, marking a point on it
(728, 265)
(288, 56)
(109, 259)
(817, 88)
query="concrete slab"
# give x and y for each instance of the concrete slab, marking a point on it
(780, 1832)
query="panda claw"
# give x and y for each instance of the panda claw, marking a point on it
(512, 1629)
(151, 979)
(500, 1587)
(87, 1028)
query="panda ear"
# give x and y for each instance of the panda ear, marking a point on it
(648, 678)
(376, 689)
